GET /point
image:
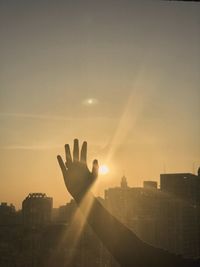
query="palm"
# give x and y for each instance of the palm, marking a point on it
(77, 176)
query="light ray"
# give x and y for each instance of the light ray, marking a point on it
(130, 115)
(77, 225)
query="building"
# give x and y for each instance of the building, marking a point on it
(182, 185)
(37, 209)
(180, 220)
(7, 213)
(168, 217)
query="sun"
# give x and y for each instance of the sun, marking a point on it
(90, 101)
(103, 169)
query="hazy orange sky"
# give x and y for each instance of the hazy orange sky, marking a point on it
(139, 62)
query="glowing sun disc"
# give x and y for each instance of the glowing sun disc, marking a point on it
(103, 169)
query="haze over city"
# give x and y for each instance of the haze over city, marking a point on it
(123, 76)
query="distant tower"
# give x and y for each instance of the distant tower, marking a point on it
(124, 182)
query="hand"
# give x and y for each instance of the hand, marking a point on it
(78, 179)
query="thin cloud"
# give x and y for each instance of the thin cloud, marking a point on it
(43, 147)
(21, 147)
(35, 116)
(52, 117)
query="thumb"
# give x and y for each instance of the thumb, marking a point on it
(62, 167)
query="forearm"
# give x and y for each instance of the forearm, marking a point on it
(122, 243)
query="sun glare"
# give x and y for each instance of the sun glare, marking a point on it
(103, 169)
(90, 101)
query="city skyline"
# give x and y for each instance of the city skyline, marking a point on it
(165, 217)
(121, 183)
(122, 76)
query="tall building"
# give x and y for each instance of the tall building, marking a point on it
(180, 226)
(182, 185)
(36, 209)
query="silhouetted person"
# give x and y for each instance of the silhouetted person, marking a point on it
(122, 243)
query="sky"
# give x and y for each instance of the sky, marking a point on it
(122, 75)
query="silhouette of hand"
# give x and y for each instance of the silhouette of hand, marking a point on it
(78, 179)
